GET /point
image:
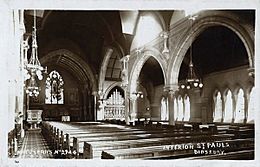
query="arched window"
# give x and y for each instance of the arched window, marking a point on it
(251, 107)
(228, 108)
(175, 108)
(54, 89)
(164, 109)
(180, 109)
(240, 107)
(187, 108)
(218, 108)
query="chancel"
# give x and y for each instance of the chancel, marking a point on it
(155, 84)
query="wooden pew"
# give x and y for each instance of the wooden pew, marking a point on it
(158, 151)
(94, 149)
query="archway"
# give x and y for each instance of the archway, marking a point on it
(82, 75)
(204, 21)
(148, 76)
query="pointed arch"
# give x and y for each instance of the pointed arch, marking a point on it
(139, 63)
(205, 20)
(73, 63)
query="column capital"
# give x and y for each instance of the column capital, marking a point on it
(125, 58)
(165, 34)
(171, 88)
(94, 93)
(251, 72)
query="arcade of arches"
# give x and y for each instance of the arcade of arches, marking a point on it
(127, 66)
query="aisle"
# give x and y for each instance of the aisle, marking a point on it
(34, 146)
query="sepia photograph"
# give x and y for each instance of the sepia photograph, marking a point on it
(112, 86)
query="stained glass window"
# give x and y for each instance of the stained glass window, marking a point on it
(54, 89)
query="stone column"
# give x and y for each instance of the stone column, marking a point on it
(223, 98)
(133, 108)
(171, 90)
(171, 95)
(234, 106)
(246, 106)
(125, 86)
(127, 106)
(94, 93)
(101, 105)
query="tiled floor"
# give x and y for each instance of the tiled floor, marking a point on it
(34, 146)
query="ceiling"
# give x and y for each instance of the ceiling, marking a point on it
(89, 32)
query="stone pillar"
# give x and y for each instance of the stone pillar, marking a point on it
(171, 95)
(223, 99)
(133, 108)
(246, 106)
(101, 105)
(125, 86)
(127, 106)
(94, 93)
(171, 90)
(234, 106)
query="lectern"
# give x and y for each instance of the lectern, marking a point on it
(34, 118)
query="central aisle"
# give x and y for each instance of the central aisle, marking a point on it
(34, 146)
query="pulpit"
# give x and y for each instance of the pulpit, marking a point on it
(34, 118)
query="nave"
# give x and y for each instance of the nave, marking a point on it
(105, 85)
(108, 140)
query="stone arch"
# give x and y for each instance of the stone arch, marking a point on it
(139, 63)
(102, 71)
(204, 21)
(74, 63)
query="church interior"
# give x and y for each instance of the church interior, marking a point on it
(133, 84)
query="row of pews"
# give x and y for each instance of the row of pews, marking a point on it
(99, 140)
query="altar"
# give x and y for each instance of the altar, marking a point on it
(34, 118)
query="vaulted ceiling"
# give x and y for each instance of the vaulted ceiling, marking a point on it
(87, 33)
